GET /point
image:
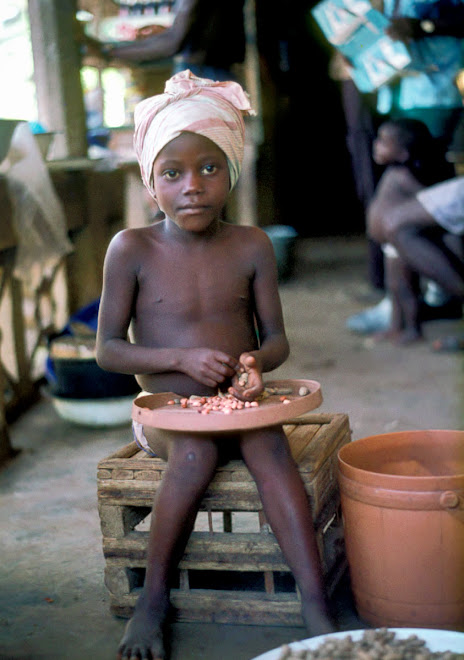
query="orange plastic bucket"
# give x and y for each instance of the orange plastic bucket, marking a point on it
(402, 497)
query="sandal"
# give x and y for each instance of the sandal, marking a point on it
(450, 344)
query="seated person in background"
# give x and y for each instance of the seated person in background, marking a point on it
(201, 297)
(413, 160)
(427, 230)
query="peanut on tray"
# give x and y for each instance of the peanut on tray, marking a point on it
(227, 403)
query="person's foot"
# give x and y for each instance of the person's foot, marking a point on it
(388, 335)
(407, 337)
(317, 618)
(144, 634)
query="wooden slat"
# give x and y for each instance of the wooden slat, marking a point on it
(325, 441)
(235, 496)
(240, 608)
(206, 551)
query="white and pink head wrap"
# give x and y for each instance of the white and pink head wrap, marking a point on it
(197, 105)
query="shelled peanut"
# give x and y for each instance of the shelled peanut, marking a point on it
(223, 403)
(228, 403)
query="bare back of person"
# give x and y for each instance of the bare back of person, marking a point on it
(396, 186)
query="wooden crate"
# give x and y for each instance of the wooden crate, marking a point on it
(233, 570)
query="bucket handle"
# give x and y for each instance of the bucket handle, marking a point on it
(449, 500)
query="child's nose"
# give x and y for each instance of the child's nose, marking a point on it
(193, 182)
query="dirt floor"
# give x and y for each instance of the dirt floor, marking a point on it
(53, 602)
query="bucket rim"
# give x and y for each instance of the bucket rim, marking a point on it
(399, 481)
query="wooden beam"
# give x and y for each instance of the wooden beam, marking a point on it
(57, 65)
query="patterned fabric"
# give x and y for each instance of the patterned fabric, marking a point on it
(198, 105)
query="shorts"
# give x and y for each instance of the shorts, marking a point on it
(445, 203)
(140, 439)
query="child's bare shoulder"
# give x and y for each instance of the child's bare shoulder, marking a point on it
(251, 247)
(404, 180)
(130, 248)
(250, 235)
(133, 238)
(396, 173)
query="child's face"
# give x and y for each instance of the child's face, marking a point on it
(191, 180)
(387, 148)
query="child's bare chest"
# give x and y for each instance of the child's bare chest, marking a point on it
(193, 287)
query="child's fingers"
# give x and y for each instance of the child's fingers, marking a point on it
(226, 360)
(219, 370)
(249, 394)
(247, 360)
(226, 366)
(253, 392)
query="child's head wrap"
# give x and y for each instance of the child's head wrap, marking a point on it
(197, 105)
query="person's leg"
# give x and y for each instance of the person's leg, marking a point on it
(426, 252)
(408, 294)
(266, 453)
(191, 466)
(404, 290)
(392, 283)
(360, 134)
(376, 265)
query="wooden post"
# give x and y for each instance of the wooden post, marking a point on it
(57, 65)
(6, 450)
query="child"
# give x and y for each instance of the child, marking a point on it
(197, 292)
(413, 160)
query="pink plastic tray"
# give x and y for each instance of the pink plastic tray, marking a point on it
(153, 410)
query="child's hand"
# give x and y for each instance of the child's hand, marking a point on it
(405, 29)
(247, 383)
(207, 366)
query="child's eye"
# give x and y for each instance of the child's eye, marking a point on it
(170, 174)
(209, 169)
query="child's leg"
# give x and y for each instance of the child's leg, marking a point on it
(191, 465)
(267, 455)
(392, 281)
(396, 320)
(405, 285)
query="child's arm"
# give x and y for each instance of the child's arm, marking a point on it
(160, 45)
(114, 350)
(274, 348)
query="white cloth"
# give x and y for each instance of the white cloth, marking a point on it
(39, 219)
(445, 203)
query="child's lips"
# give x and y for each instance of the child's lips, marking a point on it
(194, 208)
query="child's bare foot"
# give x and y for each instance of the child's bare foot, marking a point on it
(144, 636)
(386, 335)
(410, 336)
(317, 620)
